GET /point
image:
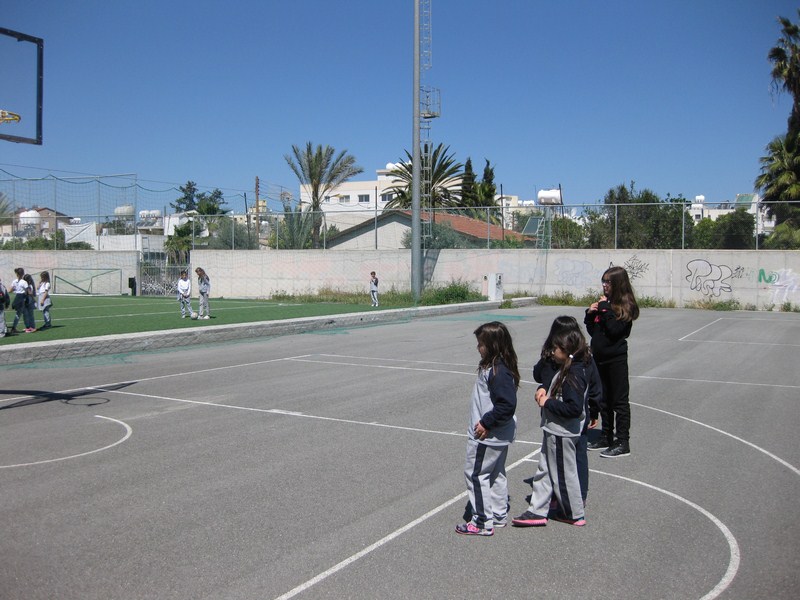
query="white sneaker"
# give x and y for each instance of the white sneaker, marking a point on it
(206, 317)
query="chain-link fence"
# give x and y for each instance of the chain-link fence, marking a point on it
(87, 213)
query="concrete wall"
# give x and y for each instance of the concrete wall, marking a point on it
(71, 269)
(759, 278)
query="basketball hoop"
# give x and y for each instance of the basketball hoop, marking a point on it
(6, 116)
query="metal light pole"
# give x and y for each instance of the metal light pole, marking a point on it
(416, 230)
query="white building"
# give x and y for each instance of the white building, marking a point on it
(354, 201)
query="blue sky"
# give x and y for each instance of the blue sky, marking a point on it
(674, 95)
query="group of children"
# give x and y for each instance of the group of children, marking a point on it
(185, 295)
(578, 383)
(27, 298)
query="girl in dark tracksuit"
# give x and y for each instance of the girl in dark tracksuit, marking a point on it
(492, 427)
(609, 322)
(563, 409)
(543, 373)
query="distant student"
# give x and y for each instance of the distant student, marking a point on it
(5, 302)
(203, 288)
(20, 288)
(44, 301)
(563, 410)
(609, 322)
(491, 429)
(546, 369)
(185, 294)
(373, 288)
(30, 304)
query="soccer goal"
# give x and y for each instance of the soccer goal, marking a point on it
(91, 282)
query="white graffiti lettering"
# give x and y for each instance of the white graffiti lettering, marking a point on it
(708, 279)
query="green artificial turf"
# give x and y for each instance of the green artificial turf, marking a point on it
(85, 316)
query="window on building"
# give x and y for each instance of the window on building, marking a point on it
(363, 198)
(387, 197)
(344, 199)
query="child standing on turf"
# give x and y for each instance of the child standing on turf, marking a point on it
(20, 288)
(203, 288)
(492, 427)
(609, 322)
(373, 288)
(563, 409)
(5, 302)
(185, 294)
(44, 301)
(546, 369)
(30, 304)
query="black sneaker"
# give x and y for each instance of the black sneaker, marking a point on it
(617, 450)
(599, 444)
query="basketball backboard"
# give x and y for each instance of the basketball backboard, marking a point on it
(21, 81)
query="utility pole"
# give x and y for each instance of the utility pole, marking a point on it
(416, 237)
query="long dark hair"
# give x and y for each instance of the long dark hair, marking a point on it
(570, 339)
(622, 300)
(494, 336)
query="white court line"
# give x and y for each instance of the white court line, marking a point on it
(716, 381)
(733, 546)
(292, 413)
(722, 585)
(701, 329)
(128, 433)
(730, 435)
(156, 377)
(381, 542)
(746, 343)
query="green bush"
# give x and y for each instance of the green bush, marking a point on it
(454, 293)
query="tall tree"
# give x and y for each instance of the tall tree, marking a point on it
(445, 180)
(779, 181)
(322, 170)
(638, 219)
(6, 210)
(785, 59)
(469, 193)
(188, 200)
(487, 189)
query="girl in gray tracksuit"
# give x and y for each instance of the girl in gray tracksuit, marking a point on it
(203, 288)
(563, 410)
(491, 429)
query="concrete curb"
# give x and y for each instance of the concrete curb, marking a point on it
(156, 340)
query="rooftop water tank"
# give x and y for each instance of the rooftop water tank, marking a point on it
(549, 197)
(30, 217)
(126, 210)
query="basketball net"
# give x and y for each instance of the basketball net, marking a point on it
(6, 116)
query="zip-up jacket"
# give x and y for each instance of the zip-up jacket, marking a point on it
(609, 335)
(494, 402)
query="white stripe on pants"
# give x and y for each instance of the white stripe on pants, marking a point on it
(487, 486)
(557, 475)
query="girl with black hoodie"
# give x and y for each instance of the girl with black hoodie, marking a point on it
(609, 322)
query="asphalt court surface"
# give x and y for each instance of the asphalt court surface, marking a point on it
(329, 465)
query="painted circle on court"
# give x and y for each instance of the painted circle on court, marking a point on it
(60, 439)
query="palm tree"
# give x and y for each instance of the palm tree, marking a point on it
(780, 180)
(296, 229)
(322, 170)
(785, 59)
(446, 176)
(6, 210)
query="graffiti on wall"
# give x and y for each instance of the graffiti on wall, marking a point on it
(636, 267)
(575, 273)
(783, 283)
(707, 278)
